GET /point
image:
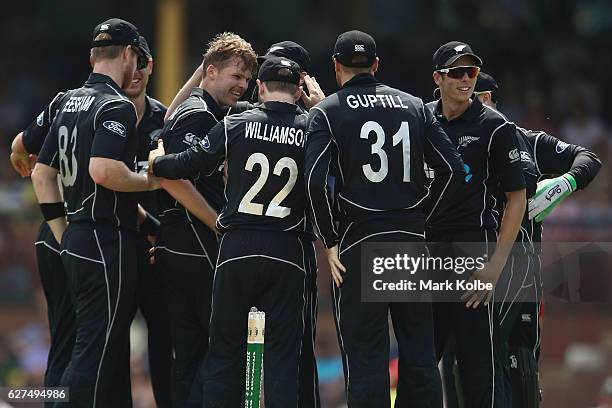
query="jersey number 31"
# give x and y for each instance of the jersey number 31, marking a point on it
(402, 136)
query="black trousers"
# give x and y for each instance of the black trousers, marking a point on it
(265, 270)
(186, 256)
(517, 313)
(152, 301)
(60, 307)
(363, 333)
(477, 347)
(309, 378)
(100, 263)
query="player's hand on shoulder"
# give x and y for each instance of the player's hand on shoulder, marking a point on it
(315, 93)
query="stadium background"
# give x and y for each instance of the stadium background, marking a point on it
(551, 57)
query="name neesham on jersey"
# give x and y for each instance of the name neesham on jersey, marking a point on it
(78, 103)
(375, 101)
(273, 133)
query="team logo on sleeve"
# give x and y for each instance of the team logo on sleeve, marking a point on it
(191, 139)
(205, 143)
(115, 127)
(40, 119)
(560, 147)
(514, 155)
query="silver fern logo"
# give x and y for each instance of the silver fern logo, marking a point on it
(466, 140)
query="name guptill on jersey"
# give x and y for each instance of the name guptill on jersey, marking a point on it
(375, 101)
(272, 133)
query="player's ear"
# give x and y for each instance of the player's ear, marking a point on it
(211, 71)
(437, 77)
(150, 66)
(260, 88)
(375, 65)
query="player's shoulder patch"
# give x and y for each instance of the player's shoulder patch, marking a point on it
(115, 127)
(561, 146)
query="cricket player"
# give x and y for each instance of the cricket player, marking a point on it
(309, 381)
(487, 144)
(553, 170)
(376, 139)
(151, 290)
(92, 144)
(187, 245)
(261, 256)
(60, 307)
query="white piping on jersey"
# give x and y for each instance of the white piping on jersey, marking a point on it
(115, 209)
(47, 245)
(303, 310)
(381, 210)
(381, 233)
(484, 181)
(333, 138)
(219, 221)
(95, 121)
(344, 235)
(326, 198)
(261, 256)
(302, 220)
(75, 212)
(59, 95)
(535, 152)
(124, 98)
(198, 238)
(189, 112)
(447, 183)
(180, 253)
(108, 324)
(65, 251)
(226, 159)
(212, 298)
(501, 309)
(343, 351)
(489, 313)
(93, 205)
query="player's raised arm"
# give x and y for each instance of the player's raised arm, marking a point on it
(185, 91)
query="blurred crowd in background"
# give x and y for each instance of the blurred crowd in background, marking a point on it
(551, 58)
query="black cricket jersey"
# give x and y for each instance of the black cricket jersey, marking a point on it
(96, 120)
(487, 143)
(185, 128)
(149, 130)
(264, 148)
(375, 139)
(545, 156)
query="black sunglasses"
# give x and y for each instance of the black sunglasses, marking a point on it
(459, 72)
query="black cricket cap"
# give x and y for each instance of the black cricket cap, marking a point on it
(121, 32)
(451, 52)
(486, 83)
(352, 46)
(291, 50)
(144, 47)
(279, 69)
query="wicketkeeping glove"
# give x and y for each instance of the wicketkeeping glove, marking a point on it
(549, 194)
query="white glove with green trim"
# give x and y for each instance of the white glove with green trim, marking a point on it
(549, 194)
